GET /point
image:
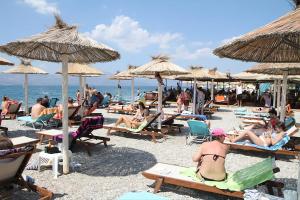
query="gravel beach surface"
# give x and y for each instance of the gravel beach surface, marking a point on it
(115, 170)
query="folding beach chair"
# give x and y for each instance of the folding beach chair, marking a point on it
(42, 121)
(52, 102)
(144, 129)
(12, 164)
(84, 133)
(233, 186)
(199, 130)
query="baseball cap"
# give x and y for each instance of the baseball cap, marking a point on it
(217, 132)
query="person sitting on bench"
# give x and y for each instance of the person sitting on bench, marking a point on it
(137, 119)
(266, 139)
(211, 157)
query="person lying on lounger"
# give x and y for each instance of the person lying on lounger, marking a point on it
(266, 139)
(211, 157)
(262, 124)
(136, 120)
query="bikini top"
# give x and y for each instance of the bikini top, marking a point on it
(215, 157)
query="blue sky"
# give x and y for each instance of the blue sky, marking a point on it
(187, 31)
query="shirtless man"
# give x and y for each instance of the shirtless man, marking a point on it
(37, 108)
(211, 157)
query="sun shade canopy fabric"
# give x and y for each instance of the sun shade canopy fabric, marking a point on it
(82, 69)
(161, 65)
(59, 40)
(276, 68)
(278, 41)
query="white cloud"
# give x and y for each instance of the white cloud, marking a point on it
(184, 53)
(42, 6)
(130, 36)
(228, 40)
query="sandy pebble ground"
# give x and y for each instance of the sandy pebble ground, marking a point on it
(115, 170)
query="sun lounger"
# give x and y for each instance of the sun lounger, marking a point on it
(199, 130)
(13, 163)
(13, 110)
(144, 129)
(234, 186)
(169, 123)
(84, 133)
(283, 147)
(42, 121)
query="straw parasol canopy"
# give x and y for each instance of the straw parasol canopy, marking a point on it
(25, 68)
(61, 39)
(249, 76)
(82, 69)
(61, 43)
(277, 41)
(160, 64)
(5, 62)
(276, 68)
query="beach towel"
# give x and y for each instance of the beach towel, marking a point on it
(241, 179)
(275, 147)
(139, 129)
(240, 110)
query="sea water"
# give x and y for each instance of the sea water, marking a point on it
(16, 92)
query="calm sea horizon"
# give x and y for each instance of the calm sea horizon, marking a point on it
(16, 92)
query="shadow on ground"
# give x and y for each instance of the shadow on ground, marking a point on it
(120, 161)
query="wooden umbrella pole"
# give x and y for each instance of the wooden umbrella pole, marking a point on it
(274, 93)
(159, 104)
(194, 97)
(284, 91)
(132, 90)
(81, 99)
(278, 94)
(66, 163)
(212, 90)
(26, 92)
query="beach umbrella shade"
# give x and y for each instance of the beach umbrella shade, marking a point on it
(284, 69)
(127, 74)
(25, 68)
(82, 71)
(199, 73)
(61, 43)
(5, 62)
(276, 42)
(159, 66)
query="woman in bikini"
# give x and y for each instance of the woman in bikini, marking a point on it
(266, 139)
(137, 119)
(211, 157)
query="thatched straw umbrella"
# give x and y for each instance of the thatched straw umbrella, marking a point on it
(61, 43)
(276, 42)
(159, 66)
(82, 71)
(25, 68)
(119, 79)
(127, 74)
(199, 73)
(278, 69)
(5, 62)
